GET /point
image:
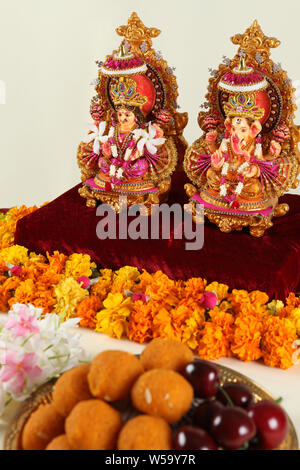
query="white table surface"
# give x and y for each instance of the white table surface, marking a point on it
(278, 382)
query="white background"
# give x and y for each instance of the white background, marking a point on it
(48, 50)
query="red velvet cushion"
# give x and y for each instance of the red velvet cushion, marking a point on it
(270, 263)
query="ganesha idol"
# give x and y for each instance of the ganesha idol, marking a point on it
(248, 155)
(129, 150)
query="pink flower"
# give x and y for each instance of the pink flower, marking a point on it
(209, 300)
(84, 281)
(16, 271)
(19, 370)
(140, 296)
(26, 323)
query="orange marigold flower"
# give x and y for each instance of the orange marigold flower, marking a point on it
(238, 298)
(87, 310)
(101, 288)
(141, 322)
(164, 327)
(163, 290)
(7, 291)
(39, 295)
(8, 224)
(194, 287)
(213, 343)
(249, 303)
(57, 261)
(292, 302)
(246, 338)
(258, 298)
(277, 342)
(223, 319)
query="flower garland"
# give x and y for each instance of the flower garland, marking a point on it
(126, 303)
(225, 169)
(121, 154)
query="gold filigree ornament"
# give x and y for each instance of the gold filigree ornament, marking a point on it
(135, 77)
(249, 89)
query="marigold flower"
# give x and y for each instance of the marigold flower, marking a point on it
(163, 290)
(277, 342)
(37, 294)
(140, 322)
(246, 338)
(292, 302)
(275, 306)
(213, 343)
(164, 327)
(78, 265)
(57, 261)
(87, 310)
(68, 294)
(194, 287)
(128, 273)
(7, 290)
(221, 290)
(101, 288)
(189, 316)
(295, 319)
(112, 320)
(16, 255)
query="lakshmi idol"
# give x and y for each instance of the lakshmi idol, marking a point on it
(131, 149)
(248, 154)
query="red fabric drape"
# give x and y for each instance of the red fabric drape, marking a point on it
(270, 263)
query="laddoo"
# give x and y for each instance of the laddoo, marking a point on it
(145, 432)
(163, 353)
(59, 443)
(71, 387)
(42, 426)
(164, 393)
(93, 425)
(112, 374)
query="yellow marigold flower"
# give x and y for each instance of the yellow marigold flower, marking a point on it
(189, 317)
(191, 333)
(79, 265)
(221, 290)
(112, 320)
(295, 319)
(275, 306)
(128, 273)
(68, 294)
(278, 342)
(246, 338)
(15, 254)
(35, 258)
(106, 274)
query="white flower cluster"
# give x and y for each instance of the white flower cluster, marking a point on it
(33, 349)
